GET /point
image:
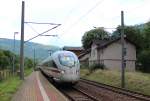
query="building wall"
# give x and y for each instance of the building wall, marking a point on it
(111, 56)
(94, 53)
(116, 65)
(84, 61)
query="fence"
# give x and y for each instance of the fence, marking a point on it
(88, 64)
(5, 74)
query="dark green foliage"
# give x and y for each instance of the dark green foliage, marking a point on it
(29, 63)
(146, 34)
(133, 33)
(6, 59)
(144, 55)
(93, 34)
(84, 65)
(144, 60)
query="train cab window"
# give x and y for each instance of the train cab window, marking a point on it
(67, 60)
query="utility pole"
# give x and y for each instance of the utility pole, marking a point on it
(122, 60)
(22, 43)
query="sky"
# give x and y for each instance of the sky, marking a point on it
(75, 16)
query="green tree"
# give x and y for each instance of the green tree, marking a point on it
(89, 36)
(144, 55)
(133, 34)
(146, 34)
(3, 60)
(144, 60)
(29, 63)
(9, 56)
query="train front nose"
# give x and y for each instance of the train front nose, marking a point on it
(71, 76)
(70, 66)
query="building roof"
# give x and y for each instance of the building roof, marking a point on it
(102, 44)
(99, 42)
(84, 52)
(73, 48)
(106, 43)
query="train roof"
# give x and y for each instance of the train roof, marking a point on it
(62, 51)
(54, 54)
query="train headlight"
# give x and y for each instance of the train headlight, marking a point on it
(62, 72)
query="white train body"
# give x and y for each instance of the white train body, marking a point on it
(62, 66)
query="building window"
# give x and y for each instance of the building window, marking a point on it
(93, 53)
(124, 63)
(125, 51)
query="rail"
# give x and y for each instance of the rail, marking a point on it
(129, 93)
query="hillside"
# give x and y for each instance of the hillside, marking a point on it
(41, 51)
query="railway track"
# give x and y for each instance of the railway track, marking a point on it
(86, 90)
(74, 94)
(109, 93)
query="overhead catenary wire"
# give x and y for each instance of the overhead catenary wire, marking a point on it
(128, 11)
(62, 41)
(39, 33)
(88, 24)
(77, 20)
(90, 10)
(72, 10)
(32, 28)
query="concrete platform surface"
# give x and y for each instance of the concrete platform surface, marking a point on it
(36, 88)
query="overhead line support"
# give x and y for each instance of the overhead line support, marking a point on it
(43, 33)
(42, 23)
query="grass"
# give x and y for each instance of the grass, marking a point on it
(28, 71)
(10, 85)
(135, 81)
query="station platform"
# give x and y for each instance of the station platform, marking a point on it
(37, 88)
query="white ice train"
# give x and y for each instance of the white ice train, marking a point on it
(62, 66)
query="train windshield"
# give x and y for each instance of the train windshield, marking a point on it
(67, 60)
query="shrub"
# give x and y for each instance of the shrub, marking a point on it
(96, 66)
